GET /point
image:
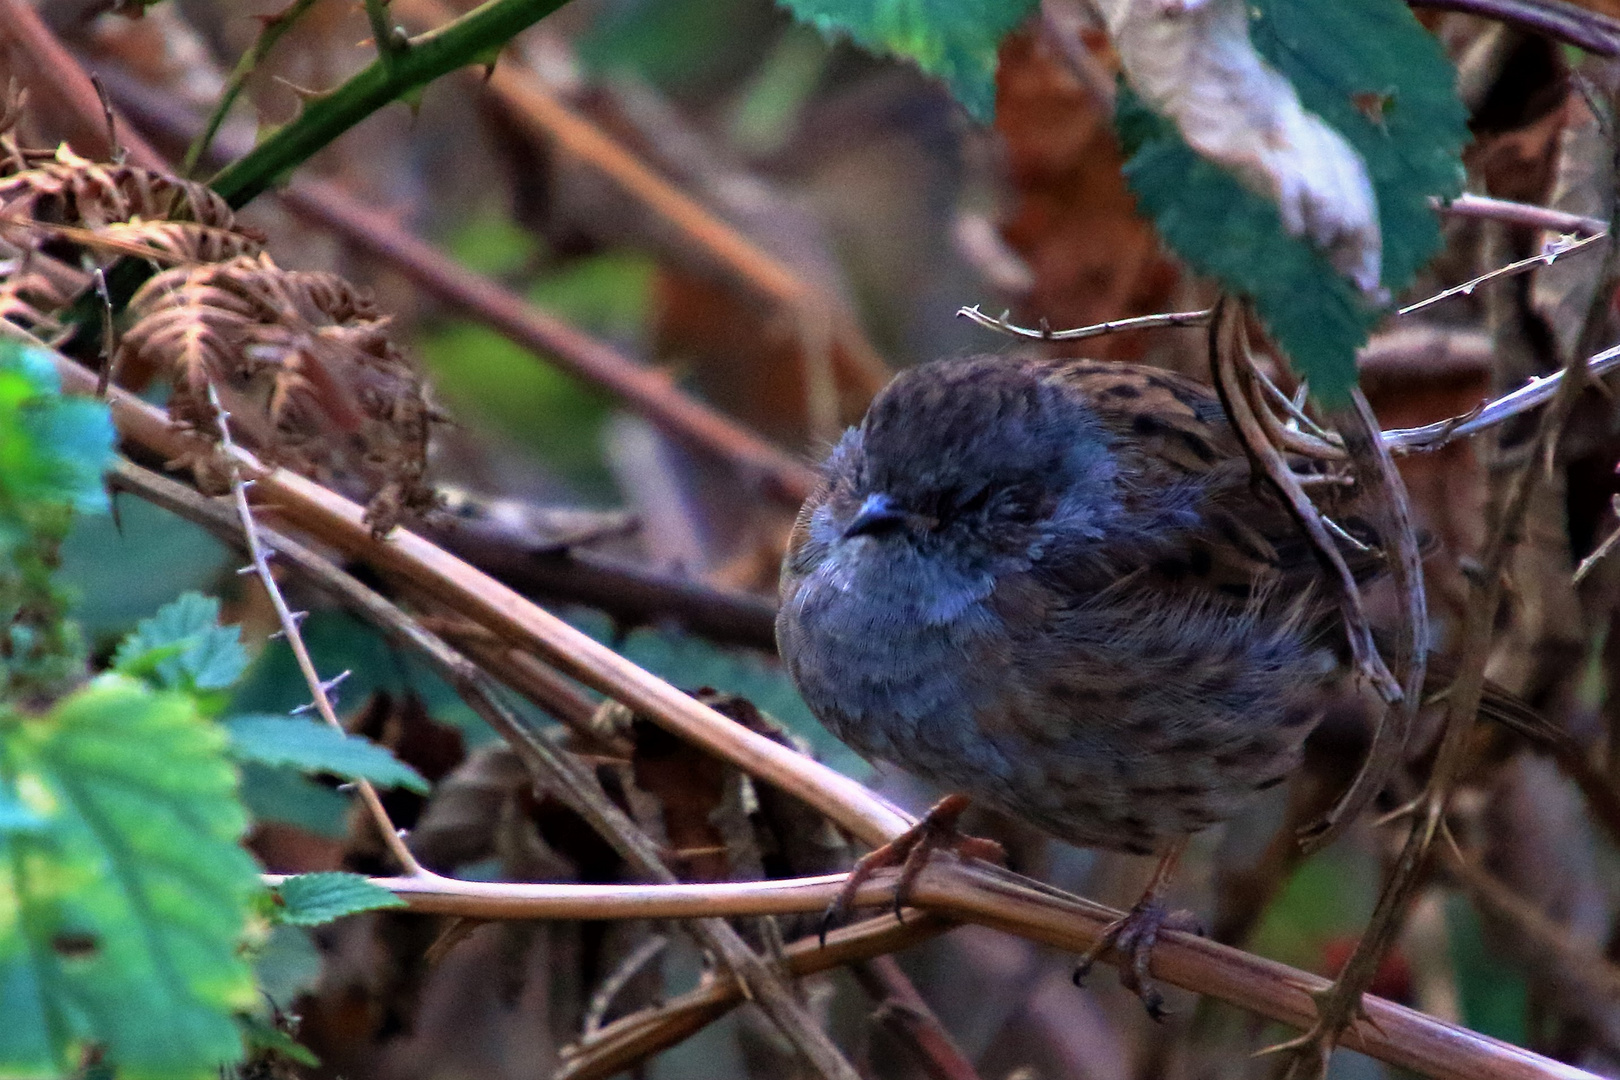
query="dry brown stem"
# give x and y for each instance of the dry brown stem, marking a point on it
(551, 768)
(1399, 1035)
(647, 391)
(1389, 1032)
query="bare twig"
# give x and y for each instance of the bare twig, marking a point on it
(1517, 213)
(1521, 212)
(1600, 552)
(1142, 322)
(1561, 21)
(990, 897)
(1554, 251)
(391, 836)
(1531, 395)
(626, 970)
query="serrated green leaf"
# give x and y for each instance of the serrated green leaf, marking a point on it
(1372, 72)
(956, 40)
(316, 747)
(313, 899)
(120, 922)
(183, 647)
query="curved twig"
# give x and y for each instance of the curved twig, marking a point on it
(991, 897)
(1234, 382)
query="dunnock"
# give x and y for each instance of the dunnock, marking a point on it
(1054, 586)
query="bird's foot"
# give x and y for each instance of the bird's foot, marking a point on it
(1132, 937)
(910, 851)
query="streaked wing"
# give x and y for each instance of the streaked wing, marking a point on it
(1173, 430)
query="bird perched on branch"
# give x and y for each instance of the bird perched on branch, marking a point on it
(1054, 586)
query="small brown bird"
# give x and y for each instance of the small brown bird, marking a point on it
(1054, 586)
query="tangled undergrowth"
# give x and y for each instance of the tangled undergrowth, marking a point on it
(302, 361)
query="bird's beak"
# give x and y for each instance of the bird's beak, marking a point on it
(878, 514)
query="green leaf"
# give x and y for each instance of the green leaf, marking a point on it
(121, 920)
(17, 818)
(262, 1037)
(183, 647)
(286, 796)
(313, 899)
(956, 40)
(1372, 72)
(316, 747)
(53, 449)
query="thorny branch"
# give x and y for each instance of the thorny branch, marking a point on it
(318, 688)
(1235, 381)
(274, 27)
(1340, 1005)
(995, 898)
(1492, 208)
(550, 767)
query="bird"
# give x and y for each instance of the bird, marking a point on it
(1058, 588)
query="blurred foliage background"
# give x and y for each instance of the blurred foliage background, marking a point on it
(863, 182)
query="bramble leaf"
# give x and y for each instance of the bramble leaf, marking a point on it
(121, 916)
(1377, 77)
(311, 746)
(183, 647)
(53, 449)
(956, 40)
(313, 899)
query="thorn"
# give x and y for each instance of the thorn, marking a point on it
(244, 571)
(300, 710)
(335, 681)
(347, 786)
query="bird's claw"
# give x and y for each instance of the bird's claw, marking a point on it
(1132, 937)
(910, 851)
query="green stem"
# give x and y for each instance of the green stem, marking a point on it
(274, 27)
(476, 37)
